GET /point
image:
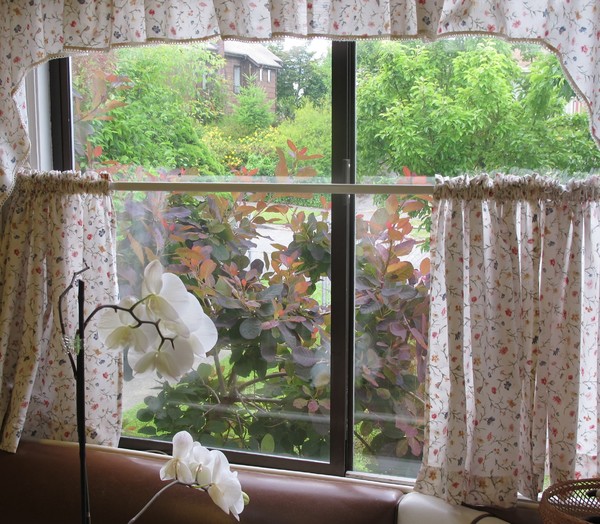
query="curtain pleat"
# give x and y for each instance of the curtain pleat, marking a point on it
(55, 225)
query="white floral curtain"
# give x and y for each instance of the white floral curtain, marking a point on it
(32, 31)
(515, 328)
(55, 225)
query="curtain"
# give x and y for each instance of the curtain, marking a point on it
(32, 31)
(55, 225)
(513, 357)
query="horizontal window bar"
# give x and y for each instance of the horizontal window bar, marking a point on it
(277, 187)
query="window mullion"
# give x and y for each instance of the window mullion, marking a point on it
(342, 260)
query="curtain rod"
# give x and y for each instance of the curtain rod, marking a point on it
(276, 187)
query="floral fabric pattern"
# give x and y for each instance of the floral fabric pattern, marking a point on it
(54, 225)
(513, 356)
(35, 31)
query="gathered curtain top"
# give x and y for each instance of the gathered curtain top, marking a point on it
(33, 31)
(63, 182)
(505, 188)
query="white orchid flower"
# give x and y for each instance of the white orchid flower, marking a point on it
(179, 311)
(194, 465)
(193, 323)
(202, 328)
(168, 299)
(178, 468)
(171, 361)
(175, 333)
(200, 464)
(225, 489)
(120, 330)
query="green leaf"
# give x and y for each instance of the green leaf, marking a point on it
(216, 426)
(145, 415)
(267, 444)
(147, 430)
(216, 227)
(250, 328)
(410, 382)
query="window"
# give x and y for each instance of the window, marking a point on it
(301, 223)
(237, 79)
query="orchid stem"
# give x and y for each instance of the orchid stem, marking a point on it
(150, 502)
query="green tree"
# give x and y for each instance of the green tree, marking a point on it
(466, 106)
(303, 78)
(253, 110)
(311, 127)
(157, 120)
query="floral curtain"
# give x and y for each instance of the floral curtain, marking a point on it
(55, 225)
(32, 31)
(513, 359)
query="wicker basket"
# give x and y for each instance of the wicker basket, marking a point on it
(569, 503)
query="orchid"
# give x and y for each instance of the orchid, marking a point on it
(194, 465)
(225, 489)
(120, 330)
(166, 332)
(177, 467)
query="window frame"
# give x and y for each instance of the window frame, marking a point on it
(342, 217)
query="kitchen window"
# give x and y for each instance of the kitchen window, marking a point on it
(301, 223)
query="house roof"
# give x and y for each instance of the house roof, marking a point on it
(254, 52)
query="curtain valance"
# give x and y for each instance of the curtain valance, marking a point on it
(33, 31)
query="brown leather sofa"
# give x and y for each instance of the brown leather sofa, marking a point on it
(39, 485)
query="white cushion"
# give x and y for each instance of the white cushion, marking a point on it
(416, 508)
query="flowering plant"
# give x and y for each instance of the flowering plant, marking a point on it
(165, 332)
(195, 466)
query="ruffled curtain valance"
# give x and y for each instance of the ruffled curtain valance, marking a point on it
(33, 31)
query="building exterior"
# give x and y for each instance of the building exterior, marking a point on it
(249, 62)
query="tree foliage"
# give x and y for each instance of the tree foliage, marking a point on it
(466, 106)
(252, 111)
(303, 78)
(156, 101)
(267, 387)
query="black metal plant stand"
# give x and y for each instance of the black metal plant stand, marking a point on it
(77, 347)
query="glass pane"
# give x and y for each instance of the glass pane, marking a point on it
(391, 322)
(260, 265)
(204, 112)
(467, 105)
(457, 106)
